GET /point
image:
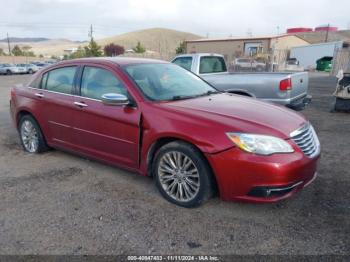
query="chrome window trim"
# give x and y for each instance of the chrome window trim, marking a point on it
(74, 96)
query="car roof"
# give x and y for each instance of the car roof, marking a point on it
(198, 54)
(120, 61)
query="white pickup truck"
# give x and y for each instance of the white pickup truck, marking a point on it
(288, 89)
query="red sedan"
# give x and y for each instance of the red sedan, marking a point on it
(157, 119)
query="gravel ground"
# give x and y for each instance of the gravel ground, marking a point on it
(58, 203)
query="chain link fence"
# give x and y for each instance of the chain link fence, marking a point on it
(272, 61)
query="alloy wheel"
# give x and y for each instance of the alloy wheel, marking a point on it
(29, 136)
(179, 176)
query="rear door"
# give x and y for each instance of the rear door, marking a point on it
(105, 131)
(57, 103)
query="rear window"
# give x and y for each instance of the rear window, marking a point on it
(59, 80)
(212, 64)
(185, 62)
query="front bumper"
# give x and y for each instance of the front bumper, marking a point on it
(253, 178)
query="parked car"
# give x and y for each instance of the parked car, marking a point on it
(292, 64)
(28, 68)
(157, 119)
(248, 64)
(40, 65)
(288, 89)
(9, 69)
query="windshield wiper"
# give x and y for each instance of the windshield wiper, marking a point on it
(181, 97)
(174, 98)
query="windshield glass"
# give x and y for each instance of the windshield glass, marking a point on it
(159, 82)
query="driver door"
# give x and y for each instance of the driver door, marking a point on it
(107, 132)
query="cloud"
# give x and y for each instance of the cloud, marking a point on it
(71, 18)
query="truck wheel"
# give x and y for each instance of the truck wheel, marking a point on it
(259, 68)
(182, 175)
(30, 71)
(31, 136)
(8, 72)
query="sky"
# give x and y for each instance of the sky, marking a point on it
(71, 19)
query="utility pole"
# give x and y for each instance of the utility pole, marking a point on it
(8, 43)
(326, 40)
(91, 32)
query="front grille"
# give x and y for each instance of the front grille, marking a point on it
(307, 140)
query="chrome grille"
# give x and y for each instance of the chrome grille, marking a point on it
(307, 140)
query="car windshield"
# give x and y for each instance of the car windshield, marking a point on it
(161, 82)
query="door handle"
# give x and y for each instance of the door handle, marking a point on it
(80, 104)
(40, 95)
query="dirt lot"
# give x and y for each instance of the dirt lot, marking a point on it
(57, 203)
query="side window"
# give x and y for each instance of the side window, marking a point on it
(185, 62)
(36, 83)
(60, 80)
(98, 81)
(212, 64)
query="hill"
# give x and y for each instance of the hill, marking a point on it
(319, 37)
(24, 39)
(159, 40)
(46, 47)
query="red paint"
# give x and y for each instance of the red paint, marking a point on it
(123, 136)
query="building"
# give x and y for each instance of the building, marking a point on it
(328, 28)
(69, 51)
(233, 48)
(309, 54)
(295, 30)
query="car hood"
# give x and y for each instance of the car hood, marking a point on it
(236, 113)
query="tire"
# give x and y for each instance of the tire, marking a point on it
(259, 68)
(30, 71)
(8, 72)
(29, 130)
(191, 196)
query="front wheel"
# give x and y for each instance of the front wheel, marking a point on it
(8, 72)
(31, 136)
(182, 175)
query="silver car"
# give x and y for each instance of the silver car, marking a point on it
(9, 69)
(28, 68)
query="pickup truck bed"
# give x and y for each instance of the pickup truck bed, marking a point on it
(288, 89)
(264, 86)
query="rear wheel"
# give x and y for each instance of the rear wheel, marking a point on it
(30, 71)
(259, 68)
(182, 175)
(31, 136)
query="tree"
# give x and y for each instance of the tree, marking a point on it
(2, 51)
(78, 54)
(113, 50)
(26, 51)
(93, 49)
(139, 48)
(17, 51)
(181, 49)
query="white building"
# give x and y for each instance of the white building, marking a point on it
(308, 55)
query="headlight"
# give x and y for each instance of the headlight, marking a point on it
(260, 144)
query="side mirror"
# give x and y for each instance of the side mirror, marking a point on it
(112, 99)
